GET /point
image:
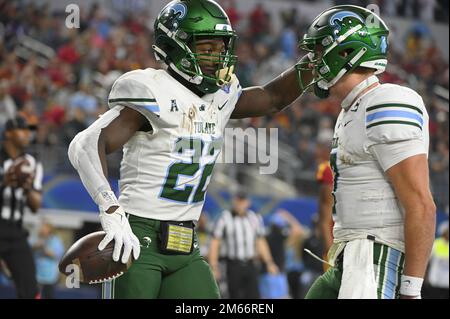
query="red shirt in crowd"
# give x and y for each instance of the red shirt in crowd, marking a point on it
(324, 174)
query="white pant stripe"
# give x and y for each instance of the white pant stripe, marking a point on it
(107, 288)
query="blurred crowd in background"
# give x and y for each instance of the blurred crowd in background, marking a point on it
(58, 78)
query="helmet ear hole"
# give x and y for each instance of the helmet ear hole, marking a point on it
(345, 53)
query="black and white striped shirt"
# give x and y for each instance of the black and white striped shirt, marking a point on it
(13, 200)
(238, 234)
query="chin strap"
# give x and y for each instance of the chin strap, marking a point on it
(321, 93)
(160, 55)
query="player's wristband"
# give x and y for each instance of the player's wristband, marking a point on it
(106, 199)
(411, 286)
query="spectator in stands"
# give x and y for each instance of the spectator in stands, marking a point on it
(306, 153)
(7, 106)
(389, 8)
(69, 52)
(439, 164)
(294, 265)
(408, 8)
(76, 124)
(84, 100)
(438, 268)
(284, 230)
(288, 43)
(48, 249)
(232, 12)
(28, 112)
(259, 22)
(442, 11)
(314, 243)
(427, 9)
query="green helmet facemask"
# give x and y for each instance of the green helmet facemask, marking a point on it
(177, 29)
(339, 40)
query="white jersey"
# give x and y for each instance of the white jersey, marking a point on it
(384, 126)
(164, 173)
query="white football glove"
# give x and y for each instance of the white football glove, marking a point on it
(117, 227)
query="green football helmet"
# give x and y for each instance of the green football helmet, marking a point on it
(177, 28)
(339, 40)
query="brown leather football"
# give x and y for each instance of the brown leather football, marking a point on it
(94, 266)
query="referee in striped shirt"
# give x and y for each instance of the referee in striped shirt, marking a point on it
(239, 238)
(17, 192)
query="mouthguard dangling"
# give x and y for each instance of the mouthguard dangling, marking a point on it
(224, 75)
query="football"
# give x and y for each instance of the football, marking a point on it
(22, 170)
(94, 266)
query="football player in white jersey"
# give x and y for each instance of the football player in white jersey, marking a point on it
(170, 125)
(384, 213)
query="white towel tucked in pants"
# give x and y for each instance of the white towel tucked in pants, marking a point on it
(358, 277)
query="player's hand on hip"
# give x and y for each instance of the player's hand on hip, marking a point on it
(117, 227)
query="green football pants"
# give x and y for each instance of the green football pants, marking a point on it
(388, 265)
(156, 275)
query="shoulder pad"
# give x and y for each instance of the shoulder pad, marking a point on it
(131, 89)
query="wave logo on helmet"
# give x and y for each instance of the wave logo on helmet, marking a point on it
(173, 14)
(338, 18)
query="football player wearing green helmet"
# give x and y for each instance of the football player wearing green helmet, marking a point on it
(340, 40)
(170, 124)
(384, 215)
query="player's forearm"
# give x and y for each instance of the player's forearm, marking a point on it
(283, 90)
(102, 155)
(325, 229)
(420, 222)
(271, 98)
(34, 200)
(410, 181)
(88, 156)
(85, 157)
(325, 215)
(263, 250)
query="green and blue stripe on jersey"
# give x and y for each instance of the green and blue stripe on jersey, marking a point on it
(148, 104)
(394, 113)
